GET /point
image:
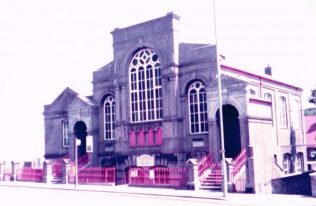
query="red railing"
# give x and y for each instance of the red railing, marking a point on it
(239, 161)
(94, 175)
(174, 177)
(83, 160)
(29, 174)
(204, 164)
(216, 173)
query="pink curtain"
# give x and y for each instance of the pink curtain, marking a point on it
(159, 136)
(141, 138)
(132, 138)
(150, 136)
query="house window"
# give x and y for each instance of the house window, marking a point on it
(197, 108)
(268, 97)
(65, 125)
(299, 162)
(109, 118)
(287, 164)
(296, 115)
(283, 112)
(145, 86)
(252, 92)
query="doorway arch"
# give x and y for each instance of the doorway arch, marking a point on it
(80, 131)
(232, 139)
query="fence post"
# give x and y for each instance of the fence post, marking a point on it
(193, 174)
(230, 174)
(2, 167)
(48, 173)
(14, 166)
(68, 167)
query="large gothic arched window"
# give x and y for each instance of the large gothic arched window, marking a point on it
(197, 108)
(109, 117)
(145, 86)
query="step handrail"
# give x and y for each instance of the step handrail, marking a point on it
(239, 161)
(204, 164)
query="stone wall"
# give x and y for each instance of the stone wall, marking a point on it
(294, 184)
(313, 183)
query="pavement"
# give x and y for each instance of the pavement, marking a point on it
(233, 198)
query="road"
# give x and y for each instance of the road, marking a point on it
(51, 197)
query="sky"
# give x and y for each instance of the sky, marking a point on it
(46, 46)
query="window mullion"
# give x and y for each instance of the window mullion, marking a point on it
(111, 120)
(138, 96)
(190, 112)
(131, 94)
(199, 110)
(154, 90)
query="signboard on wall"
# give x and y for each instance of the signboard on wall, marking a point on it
(89, 146)
(198, 142)
(145, 161)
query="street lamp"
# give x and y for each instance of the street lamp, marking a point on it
(77, 143)
(221, 125)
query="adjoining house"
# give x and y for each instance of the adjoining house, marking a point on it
(156, 105)
(310, 127)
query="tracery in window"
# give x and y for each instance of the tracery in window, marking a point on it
(145, 86)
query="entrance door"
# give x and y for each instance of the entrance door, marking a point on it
(80, 131)
(232, 140)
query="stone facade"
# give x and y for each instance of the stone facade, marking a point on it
(172, 115)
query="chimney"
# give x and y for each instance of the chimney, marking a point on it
(268, 70)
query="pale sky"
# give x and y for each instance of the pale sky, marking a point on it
(46, 46)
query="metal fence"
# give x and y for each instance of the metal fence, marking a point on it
(94, 175)
(29, 174)
(174, 177)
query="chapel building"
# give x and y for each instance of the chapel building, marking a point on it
(158, 98)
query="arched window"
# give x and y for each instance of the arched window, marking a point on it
(150, 137)
(296, 115)
(109, 118)
(145, 86)
(197, 108)
(132, 138)
(141, 138)
(65, 125)
(267, 97)
(299, 162)
(159, 136)
(252, 92)
(287, 164)
(283, 112)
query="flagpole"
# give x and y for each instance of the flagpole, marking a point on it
(222, 150)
